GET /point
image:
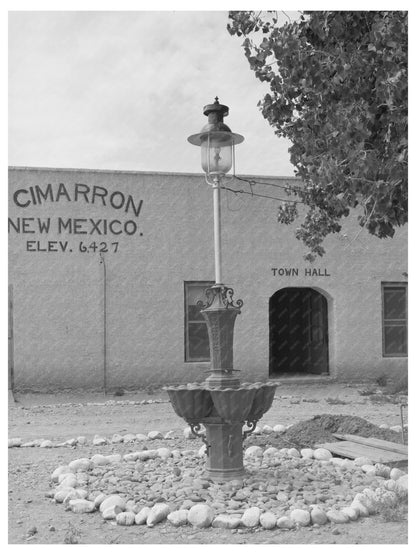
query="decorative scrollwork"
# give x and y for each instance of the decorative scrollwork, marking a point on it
(226, 297)
(210, 295)
(251, 425)
(196, 430)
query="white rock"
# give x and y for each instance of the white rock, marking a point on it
(110, 513)
(306, 453)
(283, 450)
(132, 456)
(226, 521)
(99, 499)
(81, 440)
(142, 455)
(257, 431)
(337, 461)
(157, 513)
(301, 517)
(359, 461)
(267, 429)
(318, 516)
(253, 451)
(251, 517)
(169, 435)
(348, 464)
(350, 512)
(322, 454)
(58, 471)
(99, 460)
(360, 508)
(202, 451)
(268, 520)
(279, 428)
(285, 523)
(112, 500)
(396, 473)
(98, 440)
(126, 518)
(396, 429)
(15, 442)
(369, 469)
(271, 452)
(81, 506)
(61, 494)
(178, 518)
(187, 433)
(402, 484)
(165, 453)
(127, 438)
(366, 499)
(64, 475)
(68, 481)
(200, 515)
(382, 470)
(71, 442)
(390, 485)
(141, 437)
(75, 494)
(337, 517)
(114, 458)
(79, 464)
(29, 444)
(293, 453)
(142, 515)
(46, 443)
(117, 438)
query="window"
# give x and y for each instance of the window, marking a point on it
(196, 331)
(394, 319)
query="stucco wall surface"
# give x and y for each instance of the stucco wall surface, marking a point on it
(63, 337)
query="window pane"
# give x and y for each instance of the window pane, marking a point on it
(395, 339)
(198, 341)
(394, 303)
(195, 293)
(194, 313)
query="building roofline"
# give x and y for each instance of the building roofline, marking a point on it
(139, 172)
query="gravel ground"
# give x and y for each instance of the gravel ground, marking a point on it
(64, 416)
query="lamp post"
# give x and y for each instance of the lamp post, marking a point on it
(217, 158)
(221, 403)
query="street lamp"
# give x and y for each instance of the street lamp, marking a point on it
(221, 403)
(217, 158)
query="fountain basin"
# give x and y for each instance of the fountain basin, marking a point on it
(194, 402)
(190, 401)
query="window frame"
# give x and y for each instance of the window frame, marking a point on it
(385, 285)
(205, 284)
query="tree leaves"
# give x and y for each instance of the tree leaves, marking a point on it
(338, 91)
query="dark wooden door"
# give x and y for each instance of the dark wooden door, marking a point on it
(298, 332)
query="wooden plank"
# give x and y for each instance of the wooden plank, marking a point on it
(373, 442)
(353, 450)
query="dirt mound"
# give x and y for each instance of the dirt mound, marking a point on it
(320, 428)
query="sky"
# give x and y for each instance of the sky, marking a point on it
(123, 91)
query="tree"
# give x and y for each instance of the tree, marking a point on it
(338, 92)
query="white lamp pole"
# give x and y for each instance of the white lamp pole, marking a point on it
(216, 188)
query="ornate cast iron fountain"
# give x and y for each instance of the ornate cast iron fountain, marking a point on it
(221, 403)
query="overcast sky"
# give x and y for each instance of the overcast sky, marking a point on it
(123, 90)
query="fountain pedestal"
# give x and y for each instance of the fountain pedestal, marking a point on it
(221, 403)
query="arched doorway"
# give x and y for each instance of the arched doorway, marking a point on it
(298, 332)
